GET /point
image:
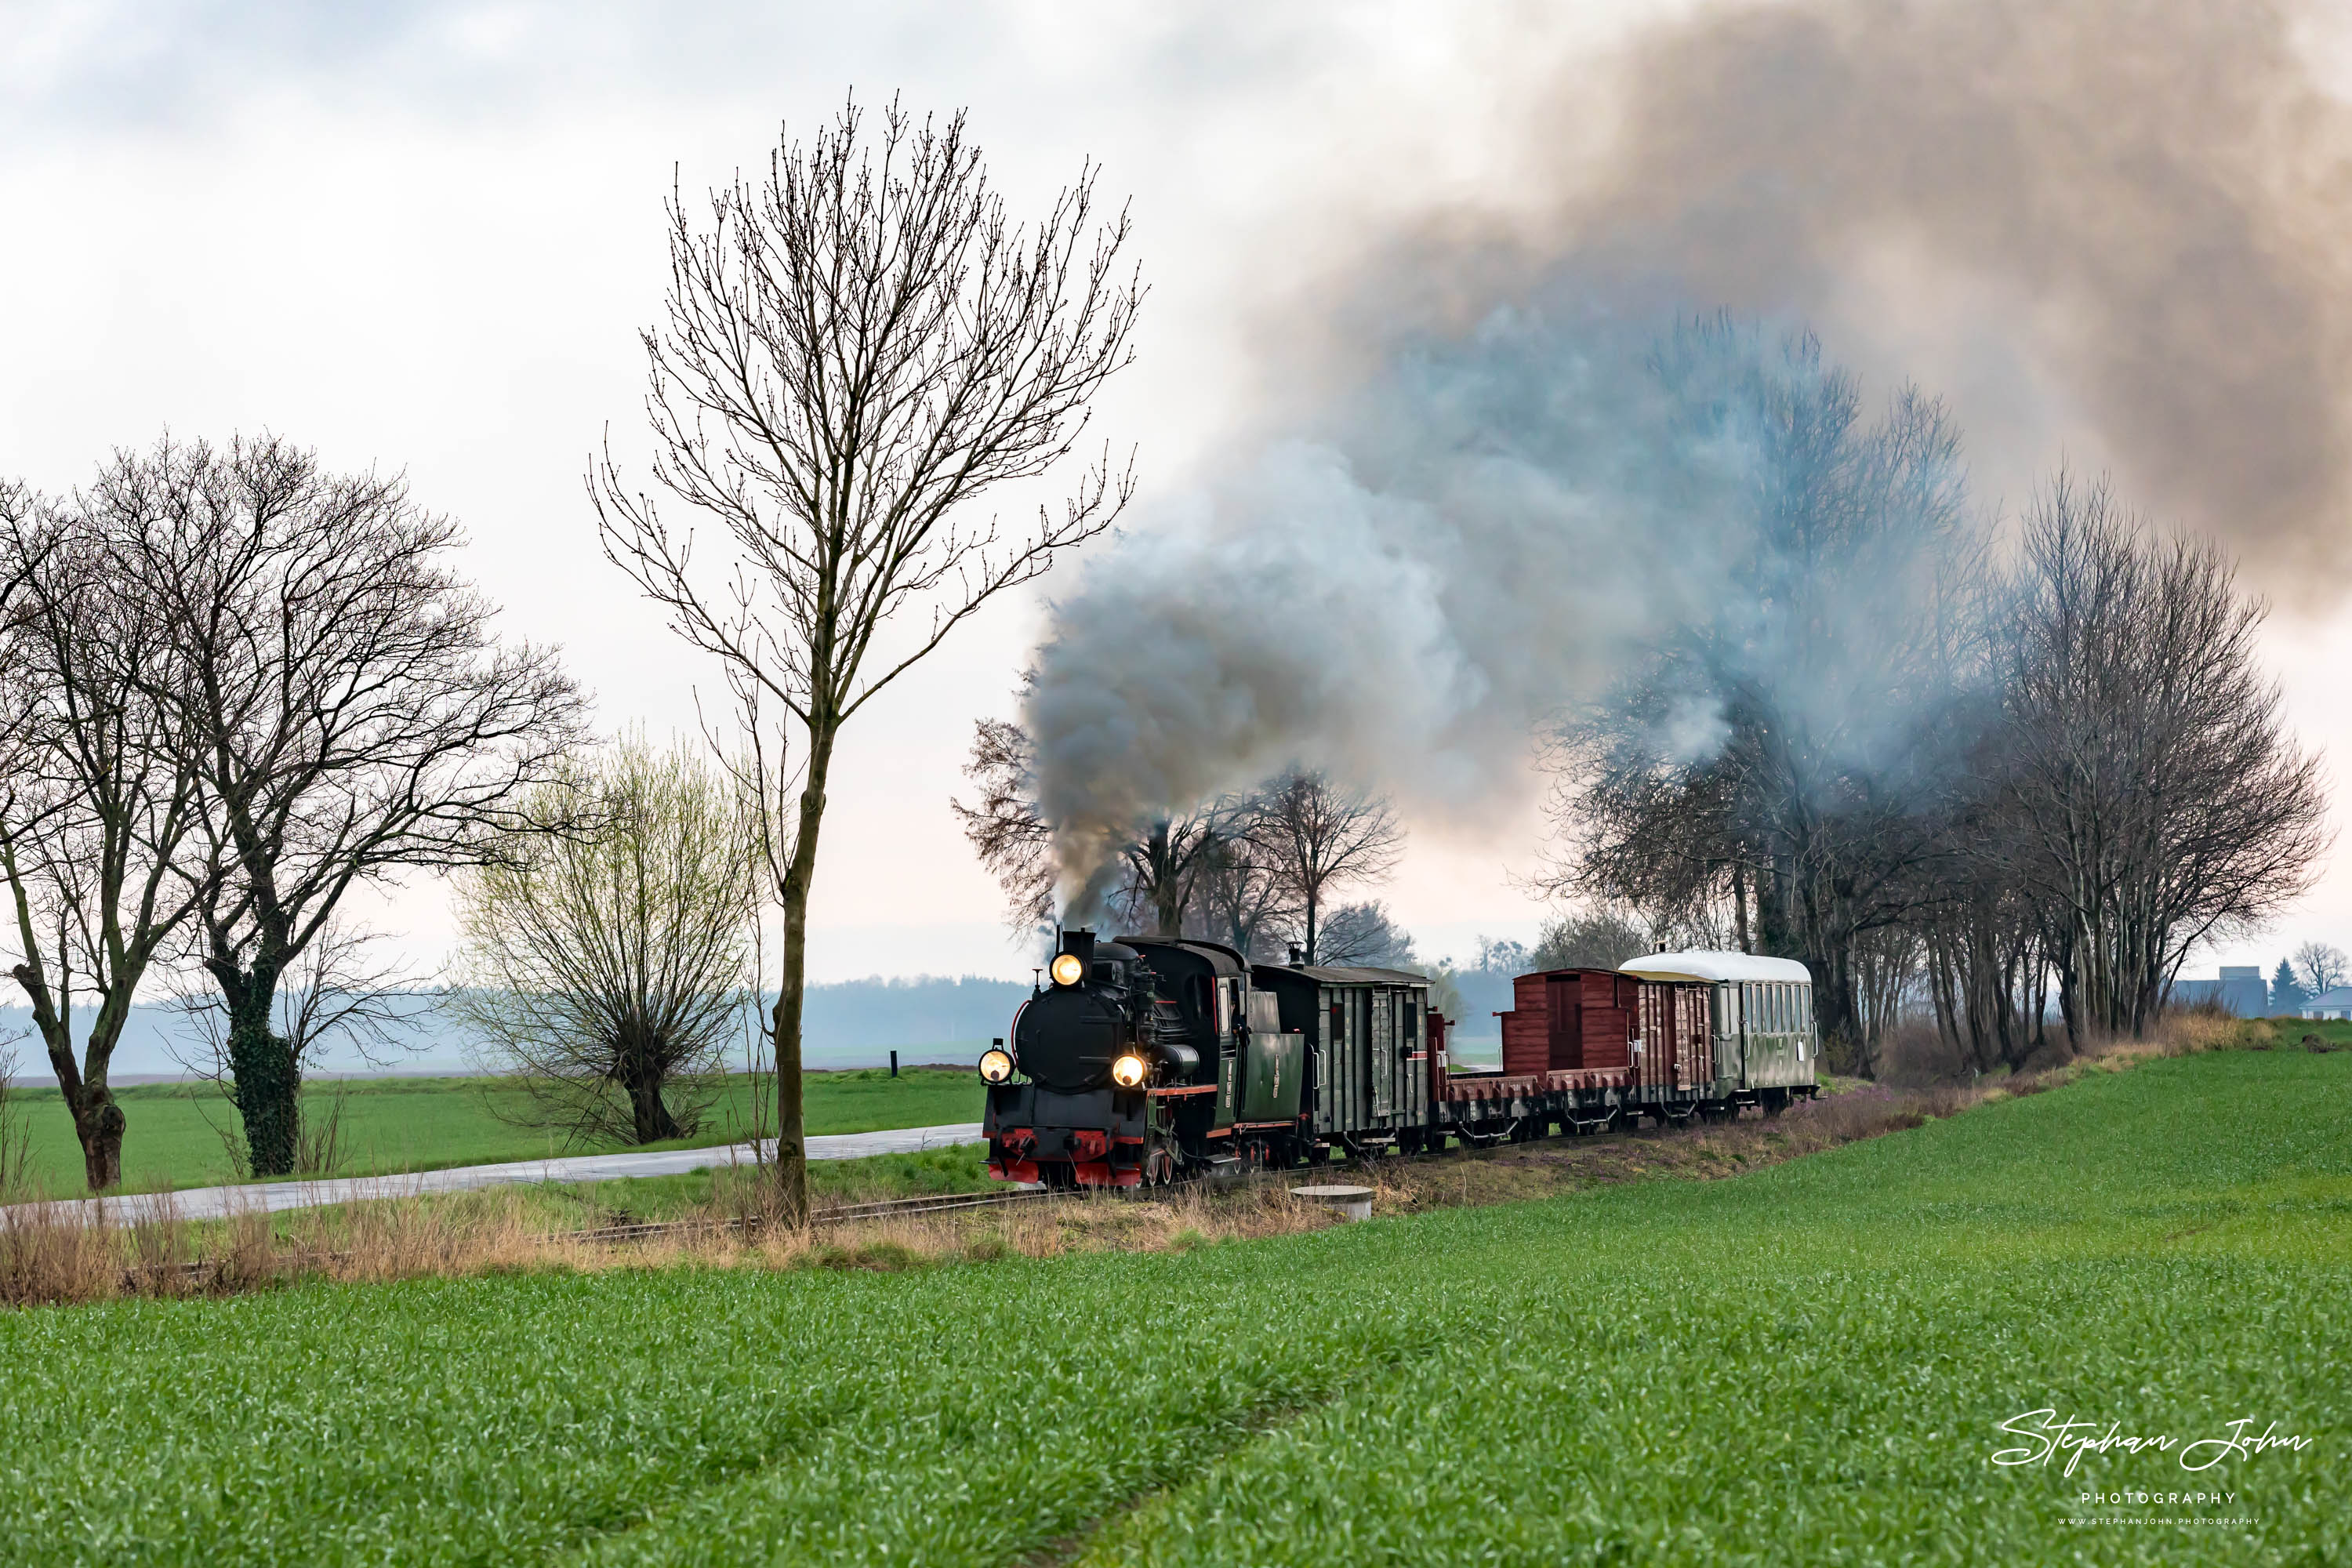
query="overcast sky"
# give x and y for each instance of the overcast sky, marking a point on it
(423, 236)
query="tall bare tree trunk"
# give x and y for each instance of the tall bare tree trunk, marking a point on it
(1739, 906)
(800, 877)
(641, 1072)
(98, 1121)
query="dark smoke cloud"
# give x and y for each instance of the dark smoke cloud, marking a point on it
(1510, 518)
(2109, 228)
(2119, 227)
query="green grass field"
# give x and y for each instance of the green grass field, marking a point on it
(173, 1136)
(1807, 1365)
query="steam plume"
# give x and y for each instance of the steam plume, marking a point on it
(2110, 225)
(2117, 223)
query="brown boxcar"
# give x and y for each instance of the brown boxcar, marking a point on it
(1567, 1020)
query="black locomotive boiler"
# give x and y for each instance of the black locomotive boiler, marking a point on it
(1149, 1059)
(1146, 1059)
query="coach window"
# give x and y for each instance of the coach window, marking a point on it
(1408, 1022)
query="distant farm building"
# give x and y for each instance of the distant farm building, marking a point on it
(2335, 1003)
(2239, 991)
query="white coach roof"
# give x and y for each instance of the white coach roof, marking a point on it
(1716, 966)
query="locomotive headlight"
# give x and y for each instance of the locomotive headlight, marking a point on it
(1127, 1071)
(1069, 969)
(995, 1066)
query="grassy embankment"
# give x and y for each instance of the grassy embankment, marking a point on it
(1807, 1364)
(426, 1123)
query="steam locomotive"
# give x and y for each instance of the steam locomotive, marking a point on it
(1149, 1059)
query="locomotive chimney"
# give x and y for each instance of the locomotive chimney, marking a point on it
(1297, 953)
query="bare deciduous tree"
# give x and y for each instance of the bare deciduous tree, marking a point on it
(1589, 939)
(1364, 935)
(2319, 967)
(855, 348)
(1165, 863)
(1165, 869)
(15, 1136)
(348, 709)
(341, 991)
(1241, 900)
(1828, 672)
(97, 796)
(1004, 828)
(608, 965)
(2155, 797)
(1322, 836)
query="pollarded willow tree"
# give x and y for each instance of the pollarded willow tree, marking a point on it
(608, 965)
(854, 349)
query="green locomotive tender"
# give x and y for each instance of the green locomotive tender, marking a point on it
(1146, 1059)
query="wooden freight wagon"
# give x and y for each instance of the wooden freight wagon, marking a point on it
(1567, 1020)
(1368, 1051)
(1668, 1036)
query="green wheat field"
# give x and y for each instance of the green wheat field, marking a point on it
(1809, 1364)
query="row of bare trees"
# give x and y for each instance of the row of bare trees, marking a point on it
(234, 688)
(238, 687)
(2006, 791)
(1259, 870)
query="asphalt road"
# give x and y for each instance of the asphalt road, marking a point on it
(218, 1203)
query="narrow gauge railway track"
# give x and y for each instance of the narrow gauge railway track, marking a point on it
(889, 1208)
(200, 1270)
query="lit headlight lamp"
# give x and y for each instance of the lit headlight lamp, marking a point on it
(1130, 1071)
(1069, 969)
(995, 1064)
